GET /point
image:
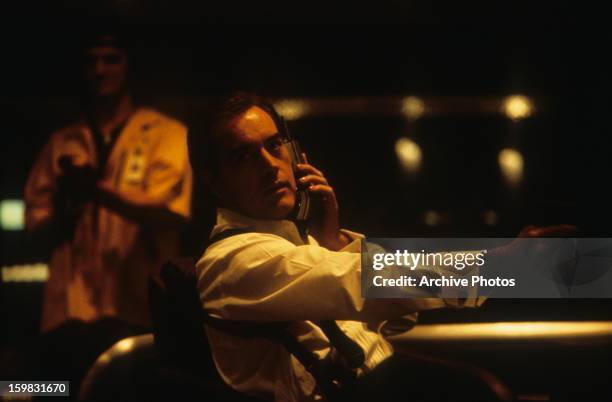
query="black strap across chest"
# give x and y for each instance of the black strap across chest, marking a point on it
(330, 375)
(104, 148)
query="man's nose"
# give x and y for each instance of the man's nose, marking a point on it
(99, 67)
(268, 160)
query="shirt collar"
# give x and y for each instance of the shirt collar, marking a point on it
(286, 229)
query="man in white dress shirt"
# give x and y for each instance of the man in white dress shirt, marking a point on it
(270, 273)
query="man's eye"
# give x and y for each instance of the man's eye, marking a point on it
(275, 145)
(112, 59)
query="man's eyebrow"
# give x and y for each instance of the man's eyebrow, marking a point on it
(274, 137)
(247, 147)
(241, 148)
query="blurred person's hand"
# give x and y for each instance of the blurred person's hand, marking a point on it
(77, 182)
(139, 206)
(548, 231)
(75, 187)
(545, 249)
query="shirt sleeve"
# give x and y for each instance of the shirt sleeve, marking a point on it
(39, 189)
(169, 178)
(465, 296)
(41, 184)
(257, 276)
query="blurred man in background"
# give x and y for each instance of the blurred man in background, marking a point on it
(110, 192)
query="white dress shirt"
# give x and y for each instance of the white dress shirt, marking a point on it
(269, 274)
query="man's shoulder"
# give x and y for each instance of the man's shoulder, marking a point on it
(73, 131)
(242, 245)
(243, 238)
(226, 262)
(150, 118)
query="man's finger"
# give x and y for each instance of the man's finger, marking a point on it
(304, 167)
(557, 230)
(548, 231)
(313, 179)
(323, 190)
(528, 231)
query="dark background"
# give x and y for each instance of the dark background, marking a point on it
(185, 52)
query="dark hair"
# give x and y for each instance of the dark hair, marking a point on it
(201, 136)
(104, 30)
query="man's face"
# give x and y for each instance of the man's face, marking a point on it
(255, 175)
(106, 70)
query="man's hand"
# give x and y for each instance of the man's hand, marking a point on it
(324, 225)
(139, 206)
(75, 187)
(532, 250)
(548, 231)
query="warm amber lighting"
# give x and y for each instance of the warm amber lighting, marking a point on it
(125, 345)
(291, 109)
(509, 330)
(409, 154)
(517, 107)
(413, 107)
(104, 358)
(511, 164)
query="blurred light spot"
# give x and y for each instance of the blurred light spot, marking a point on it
(511, 165)
(432, 218)
(125, 345)
(409, 154)
(25, 273)
(11, 214)
(517, 107)
(291, 109)
(413, 107)
(490, 217)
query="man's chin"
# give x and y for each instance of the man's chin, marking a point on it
(281, 209)
(270, 209)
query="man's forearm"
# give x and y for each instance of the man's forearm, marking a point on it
(335, 242)
(46, 233)
(140, 208)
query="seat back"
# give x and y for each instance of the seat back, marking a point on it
(176, 318)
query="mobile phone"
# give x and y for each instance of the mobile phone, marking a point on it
(303, 202)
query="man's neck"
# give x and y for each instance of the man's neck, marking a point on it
(227, 218)
(110, 112)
